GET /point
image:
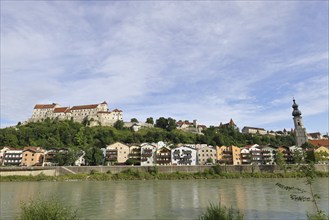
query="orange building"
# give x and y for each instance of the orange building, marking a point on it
(32, 156)
(229, 155)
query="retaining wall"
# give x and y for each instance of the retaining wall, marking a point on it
(54, 171)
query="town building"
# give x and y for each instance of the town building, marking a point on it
(50, 156)
(314, 136)
(184, 155)
(148, 154)
(300, 131)
(229, 155)
(117, 153)
(207, 155)
(92, 115)
(253, 130)
(163, 156)
(320, 143)
(287, 155)
(245, 156)
(2, 154)
(192, 127)
(12, 157)
(32, 156)
(269, 154)
(135, 152)
(322, 154)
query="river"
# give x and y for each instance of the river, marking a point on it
(166, 199)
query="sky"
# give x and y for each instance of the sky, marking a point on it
(205, 60)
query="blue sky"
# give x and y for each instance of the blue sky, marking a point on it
(209, 61)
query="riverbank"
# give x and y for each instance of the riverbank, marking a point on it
(132, 174)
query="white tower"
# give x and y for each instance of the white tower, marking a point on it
(300, 131)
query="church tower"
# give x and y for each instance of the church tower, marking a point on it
(300, 131)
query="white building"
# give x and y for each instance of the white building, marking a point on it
(12, 157)
(269, 153)
(93, 115)
(184, 156)
(253, 130)
(148, 154)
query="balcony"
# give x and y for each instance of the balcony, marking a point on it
(147, 154)
(163, 161)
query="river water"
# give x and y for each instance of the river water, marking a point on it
(166, 199)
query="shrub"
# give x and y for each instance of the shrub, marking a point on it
(40, 209)
(215, 212)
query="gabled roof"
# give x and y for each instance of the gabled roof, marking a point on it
(117, 110)
(84, 107)
(319, 143)
(61, 110)
(42, 106)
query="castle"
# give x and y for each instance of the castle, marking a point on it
(95, 114)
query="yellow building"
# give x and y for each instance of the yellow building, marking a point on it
(322, 154)
(32, 156)
(229, 155)
(117, 152)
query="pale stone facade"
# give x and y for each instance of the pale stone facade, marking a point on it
(95, 114)
(205, 153)
(121, 150)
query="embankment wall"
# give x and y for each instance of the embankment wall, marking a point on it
(54, 171)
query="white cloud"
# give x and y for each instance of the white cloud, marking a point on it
(210, 61)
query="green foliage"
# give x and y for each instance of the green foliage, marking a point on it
(132, 161)
(302, 195)
(119, 125)
(216, 212)
(134, 120)
(149, 120)
(168, 124)
(68, 134)
(280, 161)
(41, 209)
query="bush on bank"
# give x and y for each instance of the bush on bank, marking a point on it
(41, 209)
(215, 212)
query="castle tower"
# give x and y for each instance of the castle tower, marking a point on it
(300, 131)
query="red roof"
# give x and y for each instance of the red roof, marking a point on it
(61, 109)
(41, 106)
(117, 110)
(84, 107)
(319, 143)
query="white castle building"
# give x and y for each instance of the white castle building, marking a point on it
(95, 114)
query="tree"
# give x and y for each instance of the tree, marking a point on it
(134, 120)
(302, 195)
(298, 156)
(119, 125)
(280, 161)
(150, 120)
(210, 160)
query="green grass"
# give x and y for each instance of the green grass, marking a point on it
(131, 174)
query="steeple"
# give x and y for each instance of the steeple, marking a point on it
(300, 131)
(296, 111)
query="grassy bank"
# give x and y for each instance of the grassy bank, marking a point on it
(129, 174)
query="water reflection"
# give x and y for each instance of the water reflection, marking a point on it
(257, 198)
